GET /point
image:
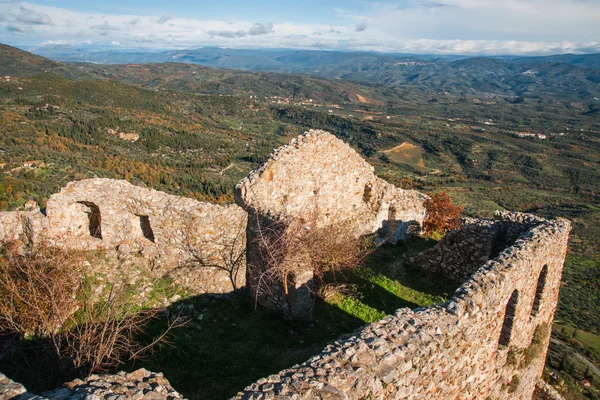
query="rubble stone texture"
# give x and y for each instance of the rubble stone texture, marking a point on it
(10, 389)
(182, 237)
(478, 345)
(461, 252)
(321, 179)
(543, 391)
(473, 346)
(140, 384)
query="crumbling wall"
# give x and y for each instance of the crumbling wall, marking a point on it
(543, 391)
(488, 341)
(461, 252)
(194, 242)
(139, 384)
(24, 226)
(320, 179)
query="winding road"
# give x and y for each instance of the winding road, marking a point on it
(581, 358)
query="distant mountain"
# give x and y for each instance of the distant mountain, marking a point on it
(582, 60)
(567, 77)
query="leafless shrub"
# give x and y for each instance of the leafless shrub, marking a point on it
(291, 250)
(37, 289)
(58, 331)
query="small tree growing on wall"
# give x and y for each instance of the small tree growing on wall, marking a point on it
(441, 215)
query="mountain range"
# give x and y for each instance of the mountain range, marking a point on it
(566, 77)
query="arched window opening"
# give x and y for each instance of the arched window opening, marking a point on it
(94, 219)
(539, 291)
(146, 228)
(509, 317)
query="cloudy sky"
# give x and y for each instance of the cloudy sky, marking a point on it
(404, 26)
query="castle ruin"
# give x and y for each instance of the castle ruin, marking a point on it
(488, 341)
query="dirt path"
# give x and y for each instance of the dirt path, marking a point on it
(226, 168)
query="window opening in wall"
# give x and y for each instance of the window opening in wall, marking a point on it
(94, 219)
(368, 193)
(146, 228)
(539, 291)
(509, 317)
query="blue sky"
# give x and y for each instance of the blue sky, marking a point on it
(406, 26)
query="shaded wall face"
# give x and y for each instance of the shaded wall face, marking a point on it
(453, 350)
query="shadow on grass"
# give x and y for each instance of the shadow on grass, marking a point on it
(228, 345)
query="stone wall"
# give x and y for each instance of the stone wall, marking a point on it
(488, 342)
(543, 391)
(192, 241)
(140, 384)
(318, 171)
(22, 226)
(320, 181)
(461, 252)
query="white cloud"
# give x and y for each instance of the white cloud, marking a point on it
(115, 43)
(411, 26)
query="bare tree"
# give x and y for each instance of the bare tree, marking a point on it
(223, 253)
(296, 253)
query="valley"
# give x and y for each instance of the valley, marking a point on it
(483, 130)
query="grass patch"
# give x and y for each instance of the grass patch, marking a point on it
(227, 344)
(586, 339)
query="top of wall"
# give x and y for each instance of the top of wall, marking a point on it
(319, 172)
(449, 350)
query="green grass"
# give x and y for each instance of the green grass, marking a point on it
(586, 339)
(407, 153)
(228, 344)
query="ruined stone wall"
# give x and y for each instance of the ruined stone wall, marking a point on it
(192, 241)
(461, 252)
(543, 391)
(20, 226)
(320, 181)
(318, 174)
(140, 384)
(488, 342)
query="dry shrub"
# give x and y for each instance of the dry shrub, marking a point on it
(289, 249)
(52, 330)
(441, 215)
(37, 289)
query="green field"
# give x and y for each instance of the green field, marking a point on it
(586, 339)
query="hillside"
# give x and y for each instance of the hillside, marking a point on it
(195, 131)
(565, 77)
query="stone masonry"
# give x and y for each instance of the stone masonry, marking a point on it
(319, 179)
(140, 384)
(461, 252)
(488, 342)
(182, 237)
